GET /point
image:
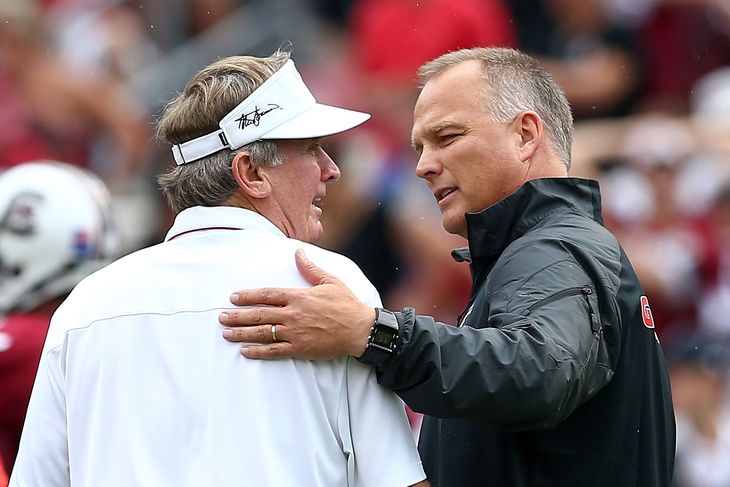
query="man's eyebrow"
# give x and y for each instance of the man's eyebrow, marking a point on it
(446, 124)
(431, 131)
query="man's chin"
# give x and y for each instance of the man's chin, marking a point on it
(453, 226)
(316, 233)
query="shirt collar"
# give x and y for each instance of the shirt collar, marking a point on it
(220, 217)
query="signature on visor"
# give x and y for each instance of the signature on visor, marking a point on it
(254, 117)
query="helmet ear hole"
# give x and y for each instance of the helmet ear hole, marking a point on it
(54, 220)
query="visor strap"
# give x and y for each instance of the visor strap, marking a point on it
(195, 149)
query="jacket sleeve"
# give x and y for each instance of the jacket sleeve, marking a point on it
(541, 346)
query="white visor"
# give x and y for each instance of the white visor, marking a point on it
(281, 108)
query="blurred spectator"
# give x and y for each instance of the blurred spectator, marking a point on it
(532, 24)
(56, 228)
(591, 55)
(107, 35)
(202, 14)
(49, 109)
(683, 40)
(710, 95)
(334, 12)
(715, 303)
(392, 38)
(698, 368)
(78, 109)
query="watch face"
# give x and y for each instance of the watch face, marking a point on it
(383, 336)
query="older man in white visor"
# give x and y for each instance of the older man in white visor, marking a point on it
(136, 387)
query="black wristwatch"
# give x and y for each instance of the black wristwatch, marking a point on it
(383, 338)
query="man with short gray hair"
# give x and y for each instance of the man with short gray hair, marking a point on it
(135, 386)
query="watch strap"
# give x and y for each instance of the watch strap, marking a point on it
(386, 324)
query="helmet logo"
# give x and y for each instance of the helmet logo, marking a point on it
(83, 247)
(20, 215)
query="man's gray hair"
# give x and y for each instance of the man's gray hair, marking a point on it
(514, 83)
(207, 98)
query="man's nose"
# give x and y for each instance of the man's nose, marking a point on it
(427, 165)
(330, 171)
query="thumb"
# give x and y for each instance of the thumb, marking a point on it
(313, 274)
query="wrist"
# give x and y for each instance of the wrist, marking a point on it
(364, 326)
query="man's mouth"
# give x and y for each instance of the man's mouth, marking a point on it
(443, 193)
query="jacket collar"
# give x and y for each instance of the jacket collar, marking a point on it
(221, 218)
(490, 231)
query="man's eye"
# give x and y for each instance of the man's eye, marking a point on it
(446, 138)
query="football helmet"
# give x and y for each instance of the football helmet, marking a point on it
(56, 227)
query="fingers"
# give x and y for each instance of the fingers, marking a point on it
(266, 295)
(248, 317)
(260, 334)
(274, 350)
(313, 274)
(254, 334)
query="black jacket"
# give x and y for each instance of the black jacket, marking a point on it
(554, 376)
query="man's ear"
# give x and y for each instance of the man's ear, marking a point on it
(251, 179)
(530, 129)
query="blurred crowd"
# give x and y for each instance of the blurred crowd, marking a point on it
(81, 81)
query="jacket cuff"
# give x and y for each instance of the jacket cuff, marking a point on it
(406, 319)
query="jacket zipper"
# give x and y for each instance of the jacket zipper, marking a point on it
(573, 291)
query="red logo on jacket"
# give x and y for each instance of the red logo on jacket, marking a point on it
(646, 315)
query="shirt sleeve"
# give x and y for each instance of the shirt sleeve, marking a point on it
(42, 459)
(375, 426)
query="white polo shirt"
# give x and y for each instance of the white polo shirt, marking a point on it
(136, 386)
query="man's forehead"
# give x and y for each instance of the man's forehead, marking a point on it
(438, 102)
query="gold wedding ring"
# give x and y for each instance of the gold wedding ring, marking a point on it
(273, 332)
